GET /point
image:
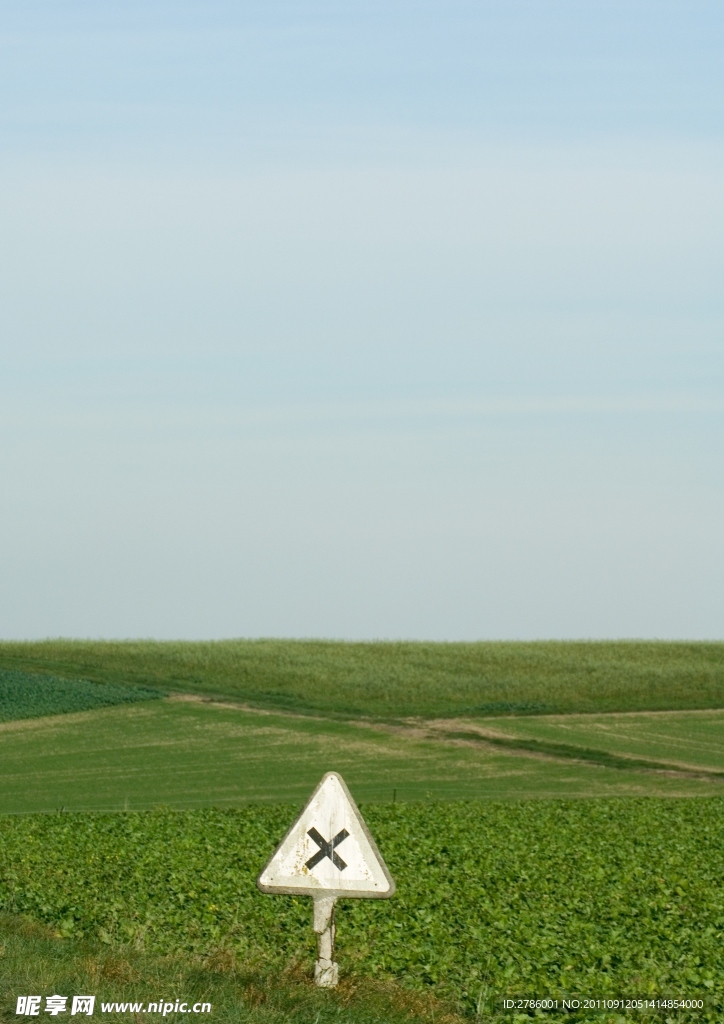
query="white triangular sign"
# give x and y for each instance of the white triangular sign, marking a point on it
(328, 851)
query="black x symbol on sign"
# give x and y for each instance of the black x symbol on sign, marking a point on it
(326, 849)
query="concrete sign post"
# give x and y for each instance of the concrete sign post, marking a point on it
(328, 853)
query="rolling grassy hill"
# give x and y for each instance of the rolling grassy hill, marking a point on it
(396, 680)
(362, 709)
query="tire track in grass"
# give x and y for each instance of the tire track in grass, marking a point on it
(590, 755)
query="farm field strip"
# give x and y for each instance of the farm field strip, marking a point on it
(31, 695)
(186, 754)
(691, 741)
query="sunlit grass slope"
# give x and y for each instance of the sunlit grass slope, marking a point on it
(183, 754)
(388, 680)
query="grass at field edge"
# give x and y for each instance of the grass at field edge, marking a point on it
(35, 959)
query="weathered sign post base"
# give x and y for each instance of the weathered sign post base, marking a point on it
(326, 971)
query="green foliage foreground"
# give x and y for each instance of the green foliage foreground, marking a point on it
(30, 695)
(599, 897)
(387, 680)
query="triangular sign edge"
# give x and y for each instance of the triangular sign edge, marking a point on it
(322, 892)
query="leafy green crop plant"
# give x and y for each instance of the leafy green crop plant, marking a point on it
(32, 695)
(602, 897)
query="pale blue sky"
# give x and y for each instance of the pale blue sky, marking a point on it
(361, 320)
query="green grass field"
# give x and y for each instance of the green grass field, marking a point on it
(188, 754)
(526, 859)
(393, 680)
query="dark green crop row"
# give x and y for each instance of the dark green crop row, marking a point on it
(539, 899)
(28, 695)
